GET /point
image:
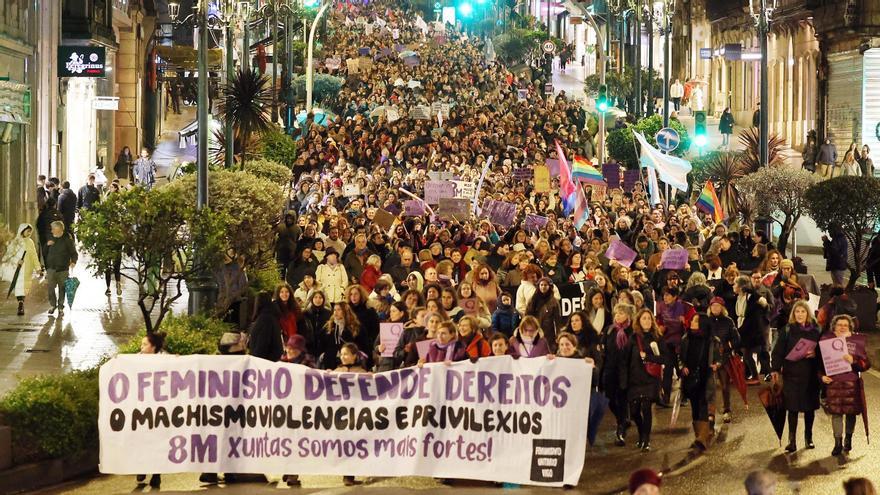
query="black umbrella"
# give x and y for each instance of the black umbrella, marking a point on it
(15, 276)
(598, 406)
(771, 398)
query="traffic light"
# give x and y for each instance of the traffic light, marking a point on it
(602, 100)
(465, 9)
(310, 4)
(700, 137)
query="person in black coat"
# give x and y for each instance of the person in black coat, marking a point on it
(750, 312)
(612, 345)
(368, 318)
(67, 206)
(725, 339)
(800, 377)
(342, 328)
(48, 215)
(641, 353)
(697, 360)
(835, 252)
(315, 317)
(264, 335)
(297, 270)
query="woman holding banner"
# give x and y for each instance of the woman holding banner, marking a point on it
(795, 361)
(528, 340)
(845, 392)
(641, 371)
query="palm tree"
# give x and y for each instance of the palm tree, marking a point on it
(245, 100)
(750, 139)
(724, 169)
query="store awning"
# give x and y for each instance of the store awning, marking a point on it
(187, 57)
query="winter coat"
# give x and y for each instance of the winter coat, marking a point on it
(264, 335)
(489, 293)
(756, 322)
(436, 354)
(669, 317)
(144, 172)
(333, 280)
(369, 331)
(473, 347)
(67, 206)
(540, 347)
(549, 316)
(800, 379)
(725, 125)
(633, 376)
(827, 154)
(697, 354)
(725, 337)
(844, 394)
(21, 250)
(612, 358)
(406, 354)
(289, 320)
(698, 296)
(314, 320)
(330, 341)
(369, 277)
(505, 319)
(835, 251)
(61, 253)
(88, 197)
(44, 224)
(297, 270)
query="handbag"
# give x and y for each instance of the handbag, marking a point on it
(652, 368)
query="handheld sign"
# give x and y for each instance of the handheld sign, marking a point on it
(621, 253)
(674, 259)
(833, 351)
(422, 347)
(389, 334)
(800, 350)
(542, 179)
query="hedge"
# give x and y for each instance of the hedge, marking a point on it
(185, 335)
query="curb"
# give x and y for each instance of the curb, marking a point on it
(29, 477)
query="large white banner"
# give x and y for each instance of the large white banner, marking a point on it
(499, 419)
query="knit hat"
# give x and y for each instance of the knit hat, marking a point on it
(643, 477)
(786, 263)
(716, 300)
(331, 251)
(297, 342)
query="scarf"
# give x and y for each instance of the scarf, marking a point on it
(526, 346)
(448, 347)
(620, 337)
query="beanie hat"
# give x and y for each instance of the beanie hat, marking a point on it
(643, 477)
(716, 300)
(786, 263)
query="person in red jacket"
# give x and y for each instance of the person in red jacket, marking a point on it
(473, 345)
(288, 309)
(372, 272)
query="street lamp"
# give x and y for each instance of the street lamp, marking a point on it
(310, 76)
(202, 287)
(762, 12)
(665, 9)
(636, 10)
(649, 13)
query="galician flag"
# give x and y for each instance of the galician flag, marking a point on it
(671, 170)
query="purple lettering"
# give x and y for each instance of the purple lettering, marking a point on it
(158, 381)
(118, 387)
(364, 382)
(504, 380)
(314, 385)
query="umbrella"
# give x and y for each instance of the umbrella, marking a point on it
(736, 371)
(321, 117)
(676, 405)
(407, 54)
(598, 406)
(70, 286)
(864, 410)
(771, 399)
(15, 277)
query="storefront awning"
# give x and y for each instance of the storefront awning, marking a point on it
(187, 57)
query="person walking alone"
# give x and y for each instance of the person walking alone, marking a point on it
(61, 257)
(21, 255)
(676, 92)
(725, 127)
(826, 159)
(144, 172)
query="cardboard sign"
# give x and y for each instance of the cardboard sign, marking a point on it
(833, 351)
(351, 190)
(523, 173)
(352, 65)
(535, 223)
(857, 346)
(522, 94)
(391, 114)
(621, 253)
(500, 212)
(553, 166)
(412, 61)
(542, 179)
(332, 63)
(438, 189)
(441, 175)
(420, 112)
(599, 193)
(674, 259)
(413, 208)
(422, 348)
(365, 64)
(384, 219)
(630, 179)
(413, 84)
(470, 306)
(389, 334)
(454, 209)
(611, 173)
(801, 349)
(395, 33)
(465, 189)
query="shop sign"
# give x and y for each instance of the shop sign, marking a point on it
(106, 103)
(81, 61)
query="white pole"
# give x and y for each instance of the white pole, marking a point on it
(600, 46)
(310, 69)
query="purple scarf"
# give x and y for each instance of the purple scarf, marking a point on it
(448, 347)
(620, 338)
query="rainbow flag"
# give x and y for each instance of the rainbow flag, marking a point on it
(583, 171)
(708, 202)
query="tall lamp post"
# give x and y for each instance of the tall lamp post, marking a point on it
(270, 12)
(664, 9)
(310, 66)
(649, 13)
(603, 57)
(762, 12)
(203, 287)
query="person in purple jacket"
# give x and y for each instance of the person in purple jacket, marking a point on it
(528, 339)
(671, 315)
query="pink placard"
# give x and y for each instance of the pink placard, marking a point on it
(422, 347)
(389, 334)
(801, 349)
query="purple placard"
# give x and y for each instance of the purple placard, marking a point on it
(552, 166)
(389, 334)
(801, 349)
(470, 306)
(413, 208)
(384, 53)
(422, 347)
(857, 346)
(523, 173)
(501, 213)
(412, 61)
(630, 179)
(833, 351)
(611, 174)
(621, 253)
(535, 223)
(436, 189)
(399, 48)
(364, 51)
(674, 259)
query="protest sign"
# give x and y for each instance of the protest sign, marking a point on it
(523, 173)
(499, 212)
(470, 306)
(454, 208)
(389, 334)
(352, 65)
(420, 112)
(441, 175)
(436, 189)
(413, 208)
(364, 50)
(383, 219)
(535, 223)
(332, 63)
(365, 63)
(857, 346)
(552, 166)
(464, 189)
(412, 61)
(599, 193)
(522, 94)
(380, 22)
(833, 351)
(621, 253)
(488, 420)
(611, 174)
(385, 53)
(399, 48)
(571, 299)
(800, 350)
(542, 179)
(395, 33)
(630, 179)
(674, 259)
(350, 190)
(422, 347)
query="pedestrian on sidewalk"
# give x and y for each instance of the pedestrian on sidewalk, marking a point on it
(61, 257)
(144, 173)
(810, 151)
(725, 126)
(865, 162)
(676, 93)
(123, 164)
(756, 117)
(850, 166)
(844, 393)
(799, 373)
(88, 195)
(835, 250)
(67, 202)
(827, 159)
(21, 255)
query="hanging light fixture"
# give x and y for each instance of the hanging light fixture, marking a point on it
(173, 10)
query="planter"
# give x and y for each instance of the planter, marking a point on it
(866, 305)
(35, 475)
